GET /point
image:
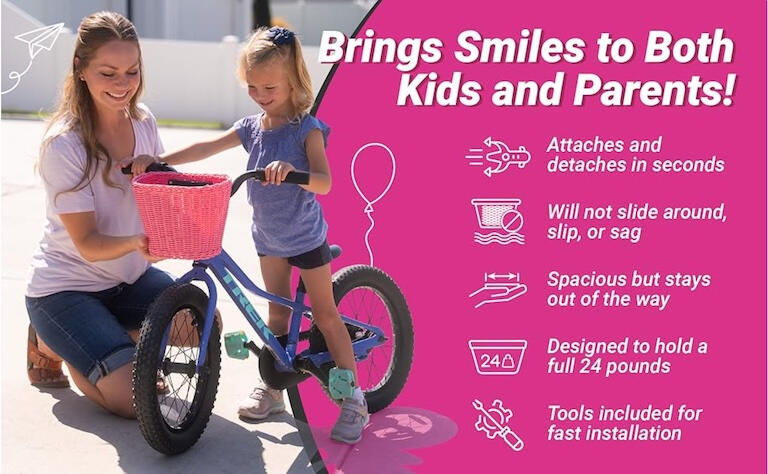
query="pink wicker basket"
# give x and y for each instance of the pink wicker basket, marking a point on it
(184, 222)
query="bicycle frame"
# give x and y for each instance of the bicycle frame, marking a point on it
(228, 273)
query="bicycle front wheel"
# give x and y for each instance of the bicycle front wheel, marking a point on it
(369, 295)
(173, 401)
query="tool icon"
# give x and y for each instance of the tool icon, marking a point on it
(493, 421)
(499, 158)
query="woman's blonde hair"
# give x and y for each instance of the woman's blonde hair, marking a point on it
(75, 109)
(269, 44)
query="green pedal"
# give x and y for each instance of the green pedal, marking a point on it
(341, 383)
(235, 344)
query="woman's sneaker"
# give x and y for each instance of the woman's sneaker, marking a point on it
(262, 402)
(352, 419)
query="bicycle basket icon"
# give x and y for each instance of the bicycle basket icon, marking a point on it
(498, 214)
(502, 217)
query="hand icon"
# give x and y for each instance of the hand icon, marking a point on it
(499, 292)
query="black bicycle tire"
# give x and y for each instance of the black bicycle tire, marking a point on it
(151, 422)
(355, 276)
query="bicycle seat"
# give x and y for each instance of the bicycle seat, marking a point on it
(335, 251)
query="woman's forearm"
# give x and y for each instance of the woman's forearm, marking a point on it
(96, 247)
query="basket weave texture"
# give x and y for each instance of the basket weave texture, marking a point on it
(185, 222)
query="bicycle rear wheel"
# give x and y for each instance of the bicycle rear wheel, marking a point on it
(369, 295)
(173, 419)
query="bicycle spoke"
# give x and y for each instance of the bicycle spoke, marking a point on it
(182, 348)
(367, 306)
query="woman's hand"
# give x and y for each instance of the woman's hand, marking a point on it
(142, 246)
(139, 163)
(276, 172)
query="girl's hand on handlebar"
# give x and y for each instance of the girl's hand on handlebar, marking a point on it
(142, 246)
(139, 163)
(275, 172)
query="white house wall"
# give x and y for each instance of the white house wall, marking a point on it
(206, 20)
(185, 80)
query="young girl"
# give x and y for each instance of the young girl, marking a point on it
(288, 225)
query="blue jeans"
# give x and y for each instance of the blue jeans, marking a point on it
(88, 329)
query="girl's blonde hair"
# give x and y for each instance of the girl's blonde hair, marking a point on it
(75, 109)
(262, 48)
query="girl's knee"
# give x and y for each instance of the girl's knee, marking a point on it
(326, 318)
(279, 324)
(279, 317)
(279, 311)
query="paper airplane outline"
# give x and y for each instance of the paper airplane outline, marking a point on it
(40, 38)
(37, 40)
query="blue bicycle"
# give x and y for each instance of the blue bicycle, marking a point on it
(179, 342)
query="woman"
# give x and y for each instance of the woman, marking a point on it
(91, 280)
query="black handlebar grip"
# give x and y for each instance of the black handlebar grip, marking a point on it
(297, 177)
(293, 177)
(152, 167)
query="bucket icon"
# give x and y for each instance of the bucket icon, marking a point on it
(498, 357)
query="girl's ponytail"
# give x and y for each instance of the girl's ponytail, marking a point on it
(302, 90)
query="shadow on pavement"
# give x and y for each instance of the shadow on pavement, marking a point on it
(224, 446)
(387, 440)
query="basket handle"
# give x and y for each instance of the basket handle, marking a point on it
(293, 177)
(152, 167)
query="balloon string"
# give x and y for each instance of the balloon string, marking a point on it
(369, 211)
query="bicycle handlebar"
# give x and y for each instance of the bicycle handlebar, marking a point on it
(152, 167)
(293, 177)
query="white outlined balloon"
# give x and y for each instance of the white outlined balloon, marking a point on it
(370, 202)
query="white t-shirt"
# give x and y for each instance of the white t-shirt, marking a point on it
(57, 265)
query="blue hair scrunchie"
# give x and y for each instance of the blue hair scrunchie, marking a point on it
(279, 35)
